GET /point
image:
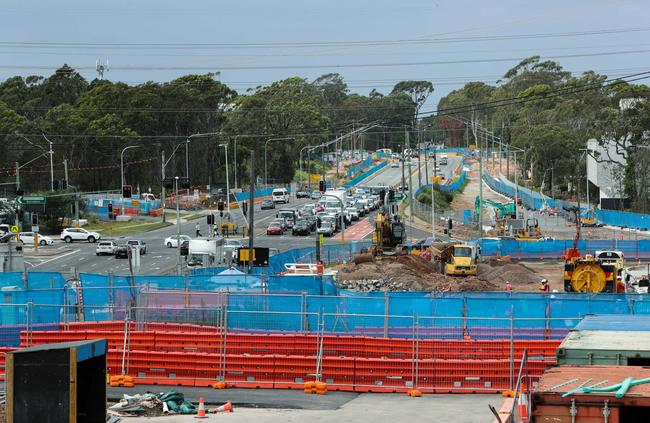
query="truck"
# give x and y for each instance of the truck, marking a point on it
(203, 252)
(454, 259)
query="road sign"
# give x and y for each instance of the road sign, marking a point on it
(400, 196)
(36, 200)
(15, 229)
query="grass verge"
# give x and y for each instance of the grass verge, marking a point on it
(123, 228)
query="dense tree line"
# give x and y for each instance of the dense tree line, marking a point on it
(90, 123)
(537, 106)
(542, 109)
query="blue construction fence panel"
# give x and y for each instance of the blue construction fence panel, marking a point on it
(353, 170)
(536, 200)
(556, 248)
(356, 180)
(97, 204)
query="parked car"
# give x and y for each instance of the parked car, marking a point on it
(267, 204)
(138, 243)
(275, 228)
(79, 234)
(172, 241)
(105, 248)
(121, 250)
(27, 238)
(301, 227)
(185, 248)
(302, 194)
(394, 164)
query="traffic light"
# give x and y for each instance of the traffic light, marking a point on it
(55, 185)
(64, 184)
(34, 219)
(127, 191)
(450, 224)
(221, 205)
(244, 208)
(110, 208)
(210, 219)
(321, 186)
(391, 195)
(185, 183)
(168, 183)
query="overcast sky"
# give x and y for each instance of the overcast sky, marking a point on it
(372, 43)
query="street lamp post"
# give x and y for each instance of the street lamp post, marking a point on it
(187, 152)
(50, 152)
(178, 230)
(300, 159)
(225, 147)
(266, 170)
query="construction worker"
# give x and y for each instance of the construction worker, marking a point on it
(508, 286)
(198, 229)
(215, 230)
(620, 285)
(545, 287)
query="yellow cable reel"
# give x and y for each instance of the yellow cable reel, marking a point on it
(588, 278)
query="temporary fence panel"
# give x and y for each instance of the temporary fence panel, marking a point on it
(12, 279)
(358, 179)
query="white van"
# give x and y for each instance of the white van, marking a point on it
(280, 195)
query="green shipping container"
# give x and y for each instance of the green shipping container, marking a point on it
(606, 348)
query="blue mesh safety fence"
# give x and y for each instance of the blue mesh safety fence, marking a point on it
(551, 248)
(357, 179)
(536, 200)
(353, 170)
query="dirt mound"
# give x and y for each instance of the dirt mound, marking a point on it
(404, 273)
(516, 274)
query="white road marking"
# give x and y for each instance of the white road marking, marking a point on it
(161, 257)
(57, 258)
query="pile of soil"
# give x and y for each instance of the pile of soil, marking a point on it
(404, 273)
(516, 274)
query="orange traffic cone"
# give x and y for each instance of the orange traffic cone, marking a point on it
(226, 408)
(523, 408)
(201, 413)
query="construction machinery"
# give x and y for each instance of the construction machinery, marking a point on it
(389, 228)
(454, 259)
(588, 273)
(502, 210)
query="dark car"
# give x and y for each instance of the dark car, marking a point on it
(185, 248)
(122, 251)
(313, 222)
(302, 194)
(267, 204)
(275, 228)
(301, 227)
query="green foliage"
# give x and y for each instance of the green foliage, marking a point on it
(442, 199)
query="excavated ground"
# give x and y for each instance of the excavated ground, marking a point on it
(412, 273)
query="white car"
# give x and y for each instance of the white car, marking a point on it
(27, 238)
(172, 241)
(79, 234)
(231, 246)
(105, 248)
(394, 164)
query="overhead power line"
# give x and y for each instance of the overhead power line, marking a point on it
(361, 43)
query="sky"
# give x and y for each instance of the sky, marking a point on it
(371, 43)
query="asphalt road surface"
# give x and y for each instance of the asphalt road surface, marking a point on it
(65, 258)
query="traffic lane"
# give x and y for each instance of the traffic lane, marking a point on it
(159, 258)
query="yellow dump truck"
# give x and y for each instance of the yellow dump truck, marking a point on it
(454, 259)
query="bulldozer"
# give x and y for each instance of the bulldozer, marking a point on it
(454, 259)
(588, 273)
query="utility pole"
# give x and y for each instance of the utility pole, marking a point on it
(433, 213)
(17, 176)
(51, 164)
(65, 169)
(251, 213)
(178, 230)
(408, 145)
(162, 191)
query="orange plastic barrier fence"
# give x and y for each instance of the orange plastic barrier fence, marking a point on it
(189, 355)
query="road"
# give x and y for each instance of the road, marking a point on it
(65, 258)
(159, 259)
